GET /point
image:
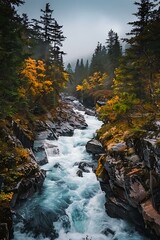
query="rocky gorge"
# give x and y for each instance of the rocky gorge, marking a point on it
(128, 172)
(127, 167)
(20, 174)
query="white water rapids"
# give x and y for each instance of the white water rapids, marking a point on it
(70, 207)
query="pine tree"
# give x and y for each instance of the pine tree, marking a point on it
(51, 35)
(142, 46)
(114, 52)
(12, 53)
(98, 61)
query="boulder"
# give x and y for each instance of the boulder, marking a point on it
(115, 208)
(65, 129)
(94, 147)
(90, 112)
(79, 173)
(32, 183)
(84, 166)
(39, 152)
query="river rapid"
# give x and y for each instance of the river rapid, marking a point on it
(70, 207)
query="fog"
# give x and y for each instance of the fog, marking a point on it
(85, 22)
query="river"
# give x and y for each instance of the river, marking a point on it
(70, 207)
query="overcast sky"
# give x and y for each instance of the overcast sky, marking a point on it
(85, 22)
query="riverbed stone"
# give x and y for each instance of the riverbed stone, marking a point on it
(94, 146)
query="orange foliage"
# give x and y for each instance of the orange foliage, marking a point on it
(6, 196)
(34, 78)
(94, 82)
(22, 153)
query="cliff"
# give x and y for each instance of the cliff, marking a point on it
(23, 149)
(129, 172)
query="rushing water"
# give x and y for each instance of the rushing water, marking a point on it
(70, 207)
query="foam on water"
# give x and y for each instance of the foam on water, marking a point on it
(70, 207)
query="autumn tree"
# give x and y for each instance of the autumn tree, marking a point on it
(136, 78)
(38, 87)
(90, 87)
(34, 83)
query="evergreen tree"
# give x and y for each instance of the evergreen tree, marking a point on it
(50, 36)
(142, 46)
(86, 69)
(139, 66)
(11, 54)
(98, 61)
(77, 72)
(114, 52)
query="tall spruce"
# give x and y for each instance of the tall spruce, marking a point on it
(12, 54)
(50, 36)
(114, 52)
(98, 61)
(136, 74)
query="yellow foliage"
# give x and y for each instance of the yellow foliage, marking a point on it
(59, 77)
(22, 91)
(79, 88)
(22, 153)
(6, 196)
(34, 77)
(112, 101)
(66, 76)
(93, 82)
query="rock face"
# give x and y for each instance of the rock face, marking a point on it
(129, 174)
(64, 124)
(31, 183)
(31, 141)
(94, 147)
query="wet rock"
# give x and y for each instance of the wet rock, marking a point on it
(79, 173)
(79, 106)
(109, 231)
(83, 166)
(130, 176)
(52, 146)
(115, 170)
(23, 135)
(101, 103)
(117, 209)
(57, 165)
(94, 147)
(65, 129)
(135, 191)
(40, 222)
(156, 198)
(40, 152)
(78, 121)
(30, 184)
(151, 217)
(44, 135)
(118, 149)
(90, 112)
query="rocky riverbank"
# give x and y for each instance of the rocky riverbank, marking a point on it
(129, 173)
(23, 150)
